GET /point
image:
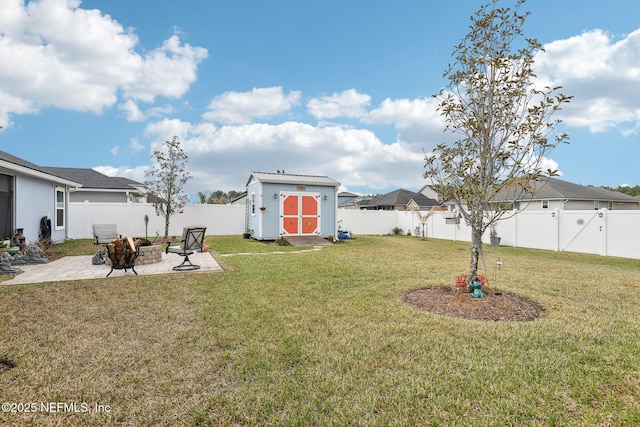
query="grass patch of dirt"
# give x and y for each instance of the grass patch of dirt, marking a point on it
(456, 302)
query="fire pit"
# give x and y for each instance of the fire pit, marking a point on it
(149, 254)
(146, 255)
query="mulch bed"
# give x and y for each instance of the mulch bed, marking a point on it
(454, 301)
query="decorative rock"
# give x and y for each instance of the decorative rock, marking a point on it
(98, 258)
(6, 268)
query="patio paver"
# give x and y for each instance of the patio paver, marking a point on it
(81, 268)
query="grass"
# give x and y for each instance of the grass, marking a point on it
(323, 338)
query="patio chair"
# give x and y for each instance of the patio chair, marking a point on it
(103, 234)
(192, 241)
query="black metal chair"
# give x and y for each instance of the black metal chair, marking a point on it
(192, 241)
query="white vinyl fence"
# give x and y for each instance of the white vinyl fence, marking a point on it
(601, 232)
(129, 218)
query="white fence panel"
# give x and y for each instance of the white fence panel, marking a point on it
(439, 229)
(623, 234)
(583, 231)
(129, 218)
(367, 222)
(604, 232)
(537, 230)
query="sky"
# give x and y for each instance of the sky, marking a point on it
(335, 88)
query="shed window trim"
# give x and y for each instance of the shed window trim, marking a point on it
(253, 204)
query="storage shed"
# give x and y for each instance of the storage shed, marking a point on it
(282, 205)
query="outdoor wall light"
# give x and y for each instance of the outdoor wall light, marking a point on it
(275, 195)
(325, 197)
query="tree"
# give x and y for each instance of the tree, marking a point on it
(166, 179)
(501, 121)
(626, 189)
(218, 197)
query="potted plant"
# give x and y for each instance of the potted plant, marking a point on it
(3, 246)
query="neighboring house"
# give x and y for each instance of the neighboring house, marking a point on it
(240, 200)
(281, 205)
(344, 197)
(100, 188)
(401, 200)
(549, 193)
(358, 202)
(429, 192)
(28, 193)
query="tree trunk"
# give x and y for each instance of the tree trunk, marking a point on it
(166, 227)
(476, 253)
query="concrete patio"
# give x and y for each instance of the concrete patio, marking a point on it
(81, 268)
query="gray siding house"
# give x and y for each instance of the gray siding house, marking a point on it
(97, 187)
(28, 193)
(549, 193)
(281, 205)
(400, 200)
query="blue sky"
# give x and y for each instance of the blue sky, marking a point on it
(337, 88)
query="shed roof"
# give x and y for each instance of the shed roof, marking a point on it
(286, 178)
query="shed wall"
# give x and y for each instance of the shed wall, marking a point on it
(265, 223)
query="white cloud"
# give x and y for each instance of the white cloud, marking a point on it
(135, 145)
(66, 57)
(136, 174)
(244, 107)
(222, 158)
(348, 103)
(166, 71)
(408, 113)
(603, 75)
(133, 113)
(115, 150)
(131, 110)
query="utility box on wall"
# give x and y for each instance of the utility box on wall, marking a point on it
(281, 205)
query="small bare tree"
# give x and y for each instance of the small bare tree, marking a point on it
(166, 179)
(501, 118)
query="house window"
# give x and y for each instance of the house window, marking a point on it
(545, 204)
(253, 203)
(610, 206)
(60, 203)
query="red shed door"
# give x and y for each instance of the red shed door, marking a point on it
(299, 214)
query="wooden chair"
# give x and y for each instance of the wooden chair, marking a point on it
(192, 241)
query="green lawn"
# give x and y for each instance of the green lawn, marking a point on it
(323, 338)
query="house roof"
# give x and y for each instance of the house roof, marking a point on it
(91, 179)
(13, 163)
(285, 178)
(547, 188)
(346, 194)
(402, 197)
